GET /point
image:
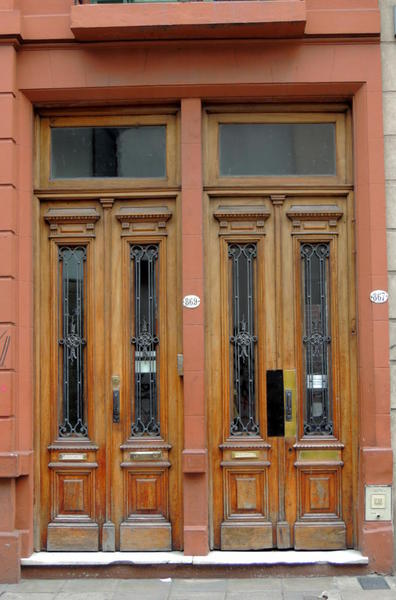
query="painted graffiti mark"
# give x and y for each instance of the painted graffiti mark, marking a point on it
(4, 347)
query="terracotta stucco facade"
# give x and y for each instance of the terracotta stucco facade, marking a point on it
(53, 53)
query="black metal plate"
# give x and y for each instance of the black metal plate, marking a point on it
(275, 404)
(373, 583)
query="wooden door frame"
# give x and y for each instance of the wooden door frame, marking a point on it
(217, 192)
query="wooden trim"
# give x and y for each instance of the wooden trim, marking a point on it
(269, 107)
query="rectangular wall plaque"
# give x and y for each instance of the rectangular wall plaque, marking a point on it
(378, 503)
(73, 457)
(146, 455)
(240, 454)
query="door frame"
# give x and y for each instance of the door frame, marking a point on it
(221, 191)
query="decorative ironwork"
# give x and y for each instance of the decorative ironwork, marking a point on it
(145, 407)
(72, 341)
(316, 339)
(243, 339)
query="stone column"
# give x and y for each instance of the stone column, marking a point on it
(195, 482)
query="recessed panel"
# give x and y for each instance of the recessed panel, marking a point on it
(147, 493)
(320, 493)
(73, 494)
(245, 493)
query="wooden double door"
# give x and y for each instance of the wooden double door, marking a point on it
(109, 392)
(280, 356)
(281, 380)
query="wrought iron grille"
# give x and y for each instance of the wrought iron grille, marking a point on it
(72, 340)
(316, 339)
(243, 339)
(145, 405)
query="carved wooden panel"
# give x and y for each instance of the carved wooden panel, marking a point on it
(314, 217)
(71, 222)
(140, 219)
(73, 494)
(146, 493)
(238, 219)
(245, 493)
(319, 492)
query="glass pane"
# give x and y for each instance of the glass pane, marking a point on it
(243, 340)
(135, 152)
(145, 340)
(316, 339)
(72, 341)
(277, 149)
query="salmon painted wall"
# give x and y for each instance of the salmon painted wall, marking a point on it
(332, 53)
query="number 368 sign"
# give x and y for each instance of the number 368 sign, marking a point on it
(379, 296)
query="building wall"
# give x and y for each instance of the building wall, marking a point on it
(340, 61)
(388, 50)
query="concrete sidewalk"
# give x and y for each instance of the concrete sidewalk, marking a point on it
(273, 588)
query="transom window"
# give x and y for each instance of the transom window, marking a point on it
(276, 147)
(114, 151)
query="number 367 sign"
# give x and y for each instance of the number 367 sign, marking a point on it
(379, 296)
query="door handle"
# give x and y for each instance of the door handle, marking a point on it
(115, 382)
(289, 405)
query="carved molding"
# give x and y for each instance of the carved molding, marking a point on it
(315, 217)
(143, 219)
(71, 222)
(248, 219)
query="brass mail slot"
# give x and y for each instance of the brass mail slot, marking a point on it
(146, 455)
(73, 457)
(244, 454)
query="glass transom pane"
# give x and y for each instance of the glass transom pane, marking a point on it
(85, 152)
(277, 149)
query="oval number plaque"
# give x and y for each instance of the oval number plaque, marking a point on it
(191, 301)
(379, 296)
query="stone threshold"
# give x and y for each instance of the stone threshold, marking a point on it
(215, 558)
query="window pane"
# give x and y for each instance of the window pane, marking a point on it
(145, 340)
(72, 342)
(316, 339)
(243, 340)
(135, 152)
(277, 149)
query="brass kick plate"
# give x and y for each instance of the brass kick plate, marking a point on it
(146, 455)
(73, 457)
(319, 455)
(237, 454)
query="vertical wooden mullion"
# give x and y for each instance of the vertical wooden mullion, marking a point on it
(108, 539)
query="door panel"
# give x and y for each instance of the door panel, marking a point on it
(110, 478)
(282, 371)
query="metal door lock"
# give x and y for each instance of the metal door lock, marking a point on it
(289, 405)
(115, 382)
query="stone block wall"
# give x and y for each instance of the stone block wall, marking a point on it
(388, 50)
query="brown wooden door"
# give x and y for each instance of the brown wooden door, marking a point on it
(281, 352)
(109, 391)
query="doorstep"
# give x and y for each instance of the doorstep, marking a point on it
(286, 557)
(155, 565)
